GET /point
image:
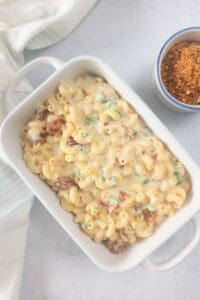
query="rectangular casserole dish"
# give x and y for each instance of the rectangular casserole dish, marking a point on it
(10, 146)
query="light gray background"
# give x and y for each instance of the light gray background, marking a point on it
(127, 34)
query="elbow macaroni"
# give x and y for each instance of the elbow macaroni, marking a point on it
(105, 164)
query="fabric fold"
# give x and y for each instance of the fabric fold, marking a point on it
(36, 25)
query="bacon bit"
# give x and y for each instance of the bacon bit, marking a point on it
(54, 126)
(117, 159)
(62, 119)
(85, 93)
(42, 115)
(109, 206)
(64, 184)
(117, 162)
(137, 206)
(44, 135)
(153, 154)
(128, 131)
(105, 204)
(106, 123)
(148, 215)
(116, 247)
(122, 195)
(71, 141)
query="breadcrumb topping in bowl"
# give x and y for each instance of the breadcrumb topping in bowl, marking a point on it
(176, 72)
(180, 71)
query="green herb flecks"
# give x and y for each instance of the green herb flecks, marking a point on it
(40, 108)
(84, 226)
(179, 177)
(86, 134)
(101, 97)
(113, 181)
(88, 120)
(91, 119)
(150, 207)
(114, 200)
(146, 131)
(141, 179)
(119, 113)
(109, 119)
(135, 132)
(145, 180)
(110, 103)
(76, 172)
(81, 147)
(103, 178)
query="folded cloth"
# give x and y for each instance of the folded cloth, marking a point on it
(39, 23)
(33, 25)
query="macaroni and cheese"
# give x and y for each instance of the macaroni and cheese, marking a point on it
(104, 163)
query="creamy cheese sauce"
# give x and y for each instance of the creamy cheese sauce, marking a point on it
(104, 162)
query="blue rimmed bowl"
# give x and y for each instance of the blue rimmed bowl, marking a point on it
(184, 35)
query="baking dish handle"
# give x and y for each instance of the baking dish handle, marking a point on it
(148, 264)
(9, 98)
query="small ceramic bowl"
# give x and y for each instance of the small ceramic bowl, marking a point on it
(187, 34)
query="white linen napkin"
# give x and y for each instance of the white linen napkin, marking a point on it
(33, 25)
(39, 23)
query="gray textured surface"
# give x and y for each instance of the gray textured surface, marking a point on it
(127, 34)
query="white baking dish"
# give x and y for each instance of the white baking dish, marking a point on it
(10, 145)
